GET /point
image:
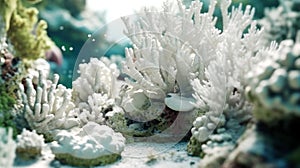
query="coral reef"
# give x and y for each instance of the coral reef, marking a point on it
(93, 145)
(7, 148)
(228, 89)
(273, 88)
(225, 75)
(47, 106)
(281, 23)
(29, 144)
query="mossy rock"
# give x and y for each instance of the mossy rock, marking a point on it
(194, 147)
(74, 161)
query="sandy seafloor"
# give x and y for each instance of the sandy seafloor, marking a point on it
(135, 155)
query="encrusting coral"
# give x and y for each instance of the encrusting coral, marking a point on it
(29, 144)
(93, 145)
(47, 106)
(7, 148)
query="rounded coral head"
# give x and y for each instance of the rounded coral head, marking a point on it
(274, 86)
(93, 145)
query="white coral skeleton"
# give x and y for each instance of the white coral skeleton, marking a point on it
(95, 91)
(48, 107)
(185, 57)
(97, 76)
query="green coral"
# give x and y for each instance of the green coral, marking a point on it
(28, 36)
(7, 7)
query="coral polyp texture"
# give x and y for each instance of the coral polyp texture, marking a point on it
(95, 77)
(7, 148)
(48, 106)
(93, 145)
(95, 92)
(29, 144)
(275, 84)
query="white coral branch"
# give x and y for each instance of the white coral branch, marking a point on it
(48, 106)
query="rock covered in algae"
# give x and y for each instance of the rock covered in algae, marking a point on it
(94, 145)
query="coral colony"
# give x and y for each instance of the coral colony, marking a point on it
(232, 93)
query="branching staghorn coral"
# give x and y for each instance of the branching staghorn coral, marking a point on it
(184, 58)
(48, 106)
(7, 148)
(237, 53)
(93, 145)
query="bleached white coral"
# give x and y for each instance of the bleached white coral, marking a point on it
(28, 139)
(36, 66)
(95, 108)
(97, 76)
(274, 86)
(237, 53)
(95, 91)
(7, 148)
(94, 145)
(166, 56)
(47, 106)
(29, 144)
(183, 56)
(281, 23)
